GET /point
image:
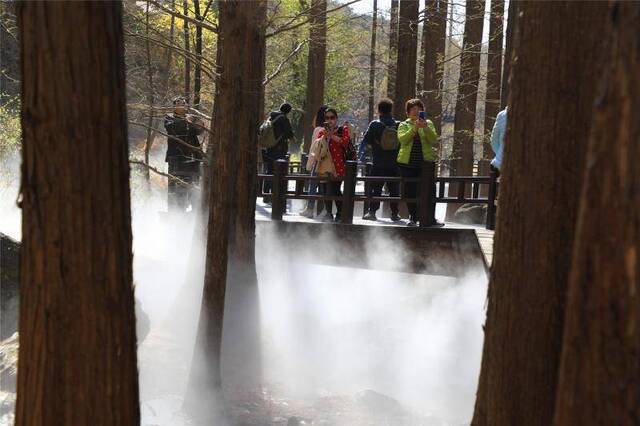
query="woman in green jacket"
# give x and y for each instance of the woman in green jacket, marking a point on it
(417, 137)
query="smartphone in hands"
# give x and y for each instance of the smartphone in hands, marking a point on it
(422, 115)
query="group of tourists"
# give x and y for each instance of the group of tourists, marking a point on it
(398, 149)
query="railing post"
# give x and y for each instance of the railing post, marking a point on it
(426, 197)
(491, 199)
(368, 167)
(279, 189)
(351, 171)
(303, 168)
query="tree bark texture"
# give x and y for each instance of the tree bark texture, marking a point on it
(230, 259)
(512, 19)
(187, 48)
(316, 66)
(197, 71)
(494, 74)
(465, 119)
(545, 148)
(393, 50)
(372, 60)
(600, 369)
(435, 30)
(77, 322)
(407, 56)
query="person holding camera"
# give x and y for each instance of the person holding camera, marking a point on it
(337, 140)
(184, 154)
(416, 137)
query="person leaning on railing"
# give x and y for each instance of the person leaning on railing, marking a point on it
(416, 136)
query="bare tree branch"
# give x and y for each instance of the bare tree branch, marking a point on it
(288, 26)
(280, 66)
(194, 21)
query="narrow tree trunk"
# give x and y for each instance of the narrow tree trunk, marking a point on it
(435, 39)
(315, 66)
(230, 261)
(407, 55)
(187, 48)
(465, 112)
(372, 60)
(600, 369)
(77, 320)
(494, 75)
(393, 50)
(169, 55)
(150, 96)
(197, 71)
(545, 149)
(512, 19)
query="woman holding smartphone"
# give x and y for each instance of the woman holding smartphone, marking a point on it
(416, 136)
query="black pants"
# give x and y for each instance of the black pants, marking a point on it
(376, 187)
(267, 169)
(332, 189)
(180, 196)
(411, 191)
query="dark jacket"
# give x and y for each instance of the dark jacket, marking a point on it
(180, 128)
(372, 136)
(283, 132)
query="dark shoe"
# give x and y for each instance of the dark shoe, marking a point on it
(412, 223)
(326, 217)
(338, 217)
(436, 224)
(395, 217)
(370, 216)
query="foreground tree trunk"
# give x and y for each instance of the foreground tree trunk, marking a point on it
(393, 50)
(372, 60)
(512, 19)
(465, 119)
(600, 369)
(315, 66)
(539, 193)
(77, 323)
(435, 30)
(494, 78)
(407, 56)
(230, 259)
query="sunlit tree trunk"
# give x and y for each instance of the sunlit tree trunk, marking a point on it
(150, 95)
(77, 360)
(197, 71)
(600, 369)
(315, 66)
(372, 60)
(512, 19)
(545, 147)
(407, 55)
(494, 75)
(435, 31)
(230, 258)
(393, 50)
(187, 48)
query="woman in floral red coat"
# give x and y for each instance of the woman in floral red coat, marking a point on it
(338, 139)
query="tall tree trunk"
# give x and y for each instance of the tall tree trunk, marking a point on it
(315, 66)
(372, 60)
(465, 112)
(494, 75)
(544, 158)
(407, 55)
(435, 30)
(77, 322)
(166, 69)
(512, 20)
(600, 369)
(230, 259)
(150, 96)
(187, 48)
(197, 71)
(393, 50)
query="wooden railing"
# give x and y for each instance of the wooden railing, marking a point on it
(282, 176)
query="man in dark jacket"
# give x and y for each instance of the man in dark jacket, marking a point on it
(384, 161)
(283, 133)
(184, 162)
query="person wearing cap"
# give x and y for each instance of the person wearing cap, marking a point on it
(184, 154)
(284, 133)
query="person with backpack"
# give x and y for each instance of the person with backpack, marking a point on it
(416, 136)
(184, 154)
(382, 137)
(313, 160)
(274, 136)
